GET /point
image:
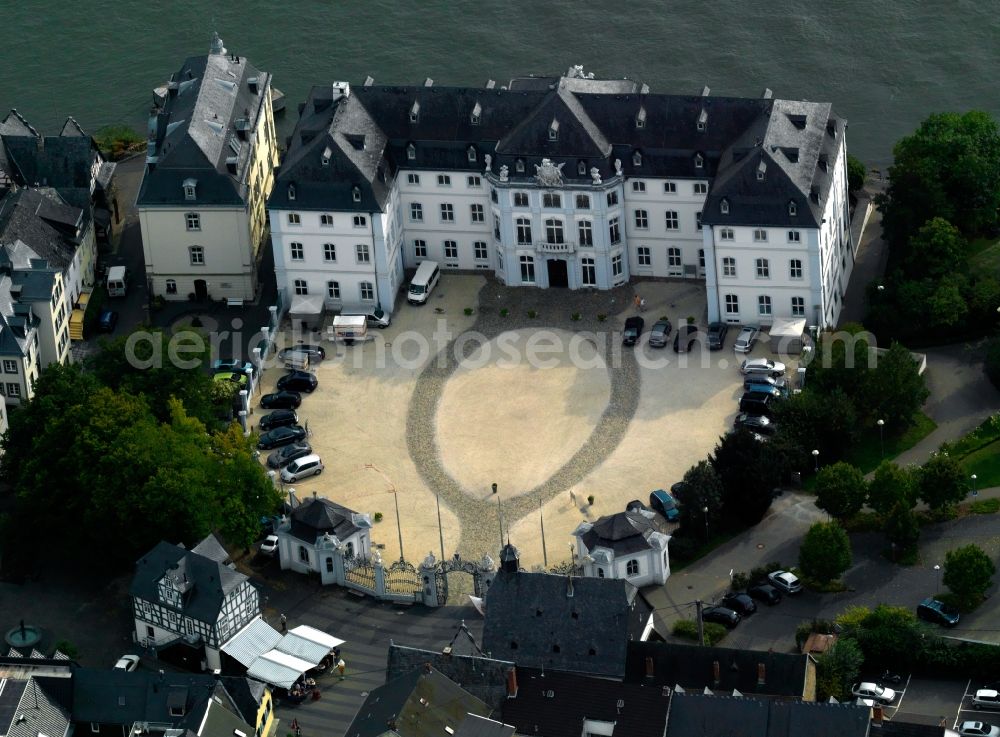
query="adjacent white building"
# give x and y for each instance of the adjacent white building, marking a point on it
(626, 545)
(322, 537)
(566, 182)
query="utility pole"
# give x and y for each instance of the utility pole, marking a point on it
(701, 624)
(541, 521)
(437, 496)
(395, 499)
(499, 514)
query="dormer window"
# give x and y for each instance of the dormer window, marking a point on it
(699, 161)
(519, 166)
(636, 159)
(703, 120)
(581, 167)
(190, 189)
(724, 206)
(761, 171)
(411, 152)
(477, 113)
(554, 130)
(640, 118)
(471, 153)
(356, 194)
(415, 112)
(291, 191)
(793, 209)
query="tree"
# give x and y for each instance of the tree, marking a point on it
(886, 634)
(841, 490)
(837, 670)
(896, 389)
(934, 250)
(948, 306)
(901, 527)
(701, 488)
(825, 553)
(749, 472)
(856, 173)
(891, 485)
(941, 482)
(948, 168)
(968, 573)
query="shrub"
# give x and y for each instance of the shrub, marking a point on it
(532, 314)
(664, 318)
(985, 506)
(504, 312)
(590, 500)
(856, 171)
(688, 629)
(691, 319)
(377, 517)
(467, 311)
(968, 573)
(602, 317)
(575, 317)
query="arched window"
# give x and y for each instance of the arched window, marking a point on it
(303, 554)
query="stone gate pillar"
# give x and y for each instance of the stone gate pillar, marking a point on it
(486, 573)
(428, 581)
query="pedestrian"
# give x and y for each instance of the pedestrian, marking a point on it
(642, 305)
(637, 301)
(341, 666)
(284, 623)
(336, 653)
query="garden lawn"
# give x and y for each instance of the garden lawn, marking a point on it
(984, 256)
(867, 452)
(985, 463)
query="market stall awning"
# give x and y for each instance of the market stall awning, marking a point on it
(252, 641)
(308, 643)
(278, 668)
(307, 304)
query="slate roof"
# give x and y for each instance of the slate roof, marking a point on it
(624, 532)
(43, 221)
(483, 677)
(727, 716)
(897, 728)
(422, 703)
(195, 133)
(477, 726)
(596, 125)
(211, 581)
(211, 548)
(45, 704)
(580, 625)
(315, 517)
(17, 321)
(554, 704)
(693, 667)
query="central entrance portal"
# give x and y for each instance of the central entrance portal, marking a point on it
(558, 273)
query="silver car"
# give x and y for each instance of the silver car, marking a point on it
(302, 468)
(746, 339)
(659, 334)
(764, 366)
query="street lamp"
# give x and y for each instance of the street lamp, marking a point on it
(974, 492)
(705, 511)
(815, 455)
(937, 573)
(881, 436)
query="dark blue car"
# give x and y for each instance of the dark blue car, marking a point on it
(662, 502)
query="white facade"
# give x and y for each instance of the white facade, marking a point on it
(325, 555)
(647, 566)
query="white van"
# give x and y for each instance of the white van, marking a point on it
(423, 282)
(117, 281)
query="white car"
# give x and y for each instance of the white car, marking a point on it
(978, 729)
(270, 545)
(127, 663)
(987, 697)
(874, 691)
(764, 366)
(787, 582)
(746, 339)
(302, 468)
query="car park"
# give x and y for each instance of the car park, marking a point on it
(281, 436)
(933, 610)
(716, 335)
(299, 381)
(973, 728)
(986, 698)
(755, 423)
(288, 453)
(787, 582)
(660, 333)
(685, 339)
(762, 366)
(281, 400)
(766, 593)
(127, 663)
(270, 545)
(740, 603)
(633, 330)
(107, 321)
(721, 615)
(302, 468)
(315, 353)
(746, 339)
(663, 502)
(868, 690)
(278, 418)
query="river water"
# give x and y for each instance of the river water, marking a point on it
(884, 65)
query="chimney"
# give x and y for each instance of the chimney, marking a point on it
(716, 676)
(512, 683)
(650, 669)
(761, 674)
(446, 652)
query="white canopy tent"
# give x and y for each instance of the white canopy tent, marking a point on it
(786, 334)
(279, 659)
(278, 668)
(308, 308)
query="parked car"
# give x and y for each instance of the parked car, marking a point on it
(663, 502)
(233, 365)
(986, 697)
(755, 423)
(721, 615)
(937, 611)
(659, 334)
(757, 403)
(281, 436)
(765, 593)
(978, 729)
(762, 366)
(377, 318)
(868, 690)
(316, 353)
(302, 468)
(633, 329)
(739, 602)
(299, 381)
(787, 582)
(107, 321)
(269, 546)
(241, 380)
(281, 400)
(685, 339)
(751, 382)
(287, 454)
(774, 391)
(716, 335)
(746, 339)
(127, 663)
(278, 418)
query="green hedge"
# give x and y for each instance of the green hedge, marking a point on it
(688, 629)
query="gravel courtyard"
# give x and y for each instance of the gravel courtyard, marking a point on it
(552, 409)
